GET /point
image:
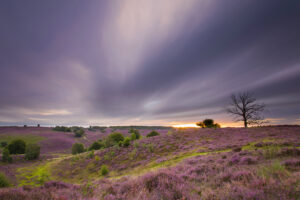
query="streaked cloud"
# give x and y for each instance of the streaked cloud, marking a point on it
(146, 62)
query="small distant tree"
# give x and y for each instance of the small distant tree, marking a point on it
(208, 123)
(17, 146)
(245, 108)
(77, 148)
(6, 156)
(32, 152)
(152, 134)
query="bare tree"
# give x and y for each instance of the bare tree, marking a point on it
(245, 108)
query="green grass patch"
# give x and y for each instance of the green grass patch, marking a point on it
(274, 170)
(35, 175)
(251, 145)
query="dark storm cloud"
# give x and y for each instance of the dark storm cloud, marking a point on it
(269, 29)
(113, 60)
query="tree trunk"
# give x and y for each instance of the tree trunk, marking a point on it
(245, 123)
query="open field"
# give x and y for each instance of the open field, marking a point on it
(227, 163)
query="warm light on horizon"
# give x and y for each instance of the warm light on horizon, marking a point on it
(185, 126)
(193, 125)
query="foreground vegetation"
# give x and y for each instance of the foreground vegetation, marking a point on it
(256, 163)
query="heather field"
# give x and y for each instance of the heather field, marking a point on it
(224, 163)
(150, 100)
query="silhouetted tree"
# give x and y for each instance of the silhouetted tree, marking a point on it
(245, 108)
(208, 123)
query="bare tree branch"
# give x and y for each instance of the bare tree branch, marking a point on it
(244, 108)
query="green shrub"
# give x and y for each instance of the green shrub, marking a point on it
(6, 156)
(77, 148)
(135, 135)
(126, 142)
(104, 170)
(97, 158)
(91, 154)
(116, 137)
(113, 139)
(79, 132)
(96, 146)
(17, 146)
(32, 151)
(120, 144)
(150, 148)
(3, 181)
(3, 144)
(152, 133)
(136, 144)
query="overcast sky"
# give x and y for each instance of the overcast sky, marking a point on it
(146, 62)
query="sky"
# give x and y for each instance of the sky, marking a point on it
(146, 62)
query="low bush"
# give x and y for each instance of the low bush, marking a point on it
(79, 132)
(150, 148)
(113, 139)
(96, 146)
(152, 134)
(104, 170)
(77, 148)
(6, 156)
(135, 135)
(126, 142)
(3, 144)
(136, 145)
(116, 137)
(3, 181)
(17, 146)
(32, 152)
(91, 154)
(97, 158)
(120, 144)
